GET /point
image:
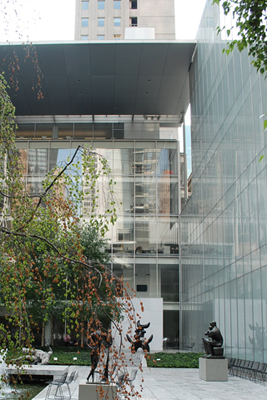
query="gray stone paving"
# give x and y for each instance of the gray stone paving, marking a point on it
(181, 384)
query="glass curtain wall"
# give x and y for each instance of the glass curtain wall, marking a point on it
(223, 225)
(144, 240)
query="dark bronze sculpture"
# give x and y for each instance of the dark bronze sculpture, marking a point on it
(213, 341)
(139, 340)
(99, 341)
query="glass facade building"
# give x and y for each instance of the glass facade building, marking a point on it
(223, 225)
(144, 240)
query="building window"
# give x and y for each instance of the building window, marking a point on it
(101, 22)
(133, 21)
(85, 22)
(117, 22)
(133, 4)
(84, 37)
(101, 5)
(85, 5)
(116, 37)
(100, 37)
(117, 4)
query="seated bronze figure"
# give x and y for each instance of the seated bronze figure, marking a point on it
(213, 341)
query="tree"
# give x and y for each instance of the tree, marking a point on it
(250, 20)
(51, 248)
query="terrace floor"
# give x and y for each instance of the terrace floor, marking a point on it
(180, 384)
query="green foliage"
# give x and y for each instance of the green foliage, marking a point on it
(52, 248)
(173, 360)
(94, 245)
(250, 20)
(52, 254)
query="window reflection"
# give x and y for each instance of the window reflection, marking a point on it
(124, 270)
(37, 161)
(169, 282)
(145, 280)
(143, 242)
(145, 196)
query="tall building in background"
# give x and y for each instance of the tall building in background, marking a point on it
(124, 19)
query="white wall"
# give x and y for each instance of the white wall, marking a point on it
(135, 33)
(153, 313)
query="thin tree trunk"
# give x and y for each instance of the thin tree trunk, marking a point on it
(82, 334)
(43, 334)
(52, 331)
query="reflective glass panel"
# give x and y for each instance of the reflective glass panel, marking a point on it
(145, 196)
(124, 270)
(117, 5)
(85, 22)
(101, 5)
(168, 278)
(117, 22)
(101, 21)
(145, 279)
(85, 5)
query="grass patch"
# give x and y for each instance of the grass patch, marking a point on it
(173, 360)
(67, 357)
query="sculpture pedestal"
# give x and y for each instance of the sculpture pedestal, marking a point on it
(213, 369)
(96, 391)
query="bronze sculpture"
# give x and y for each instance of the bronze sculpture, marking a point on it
(213, 341)
(139, 340)
(99, 341)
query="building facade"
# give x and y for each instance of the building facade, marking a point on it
(208, 262)
(223, 225)
(124, 19)
(143, 243)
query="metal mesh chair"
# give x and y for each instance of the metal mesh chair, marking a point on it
(246, 369)
(263, 372)
(125, 378)
(132, 377)
(235, 366)
(240, 368)
(121, 379)
(253, 370)
(71, 378)
(231, 363)
(58, 383)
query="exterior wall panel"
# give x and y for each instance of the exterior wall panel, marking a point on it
(224, 223)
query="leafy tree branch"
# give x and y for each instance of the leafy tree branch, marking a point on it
(249, 17)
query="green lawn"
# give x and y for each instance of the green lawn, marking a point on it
(157, 360)
(68, 357)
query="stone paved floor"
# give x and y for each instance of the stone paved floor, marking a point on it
(182, 384)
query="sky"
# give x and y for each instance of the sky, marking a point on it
(53, 20)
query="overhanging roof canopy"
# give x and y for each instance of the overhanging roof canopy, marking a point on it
(103, 78)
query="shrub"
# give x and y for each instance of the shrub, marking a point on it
(173, 360)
